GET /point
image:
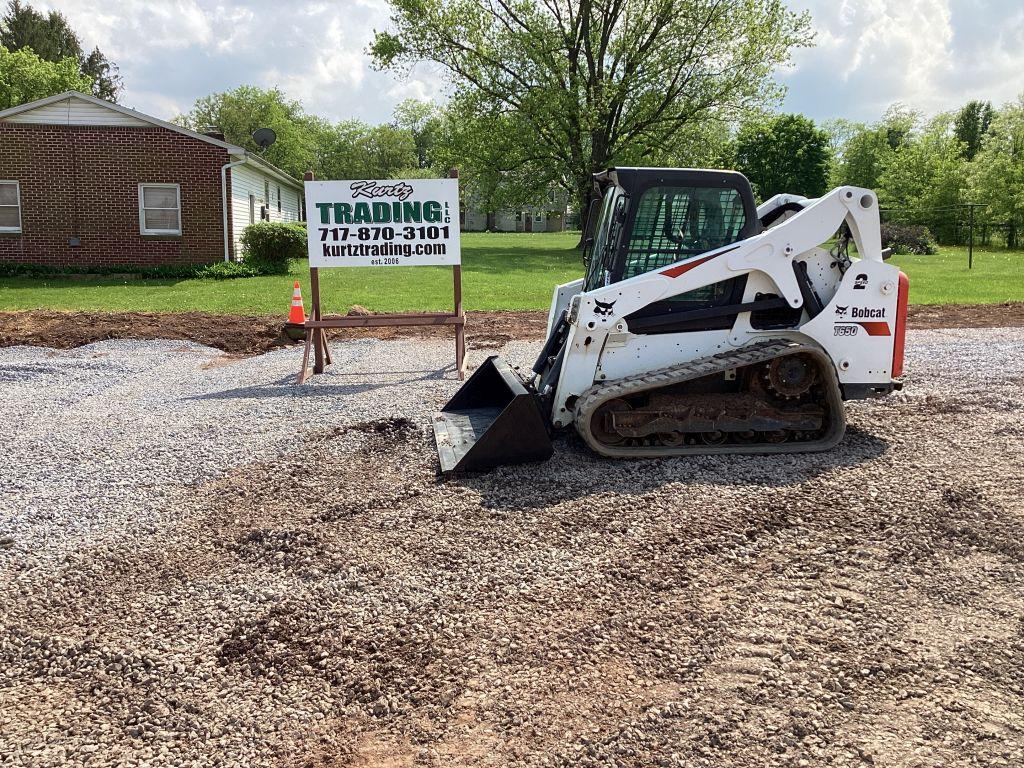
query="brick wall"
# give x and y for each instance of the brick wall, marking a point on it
(83, 181)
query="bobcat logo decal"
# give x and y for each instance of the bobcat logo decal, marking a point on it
(841, 311)
(602, 308)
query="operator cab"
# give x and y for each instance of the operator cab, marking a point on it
(648, 218)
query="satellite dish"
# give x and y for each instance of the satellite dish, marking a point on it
(264, 137)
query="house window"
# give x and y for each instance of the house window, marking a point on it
(252, 209)
(160, 209)
(278, 198)
(10, 206)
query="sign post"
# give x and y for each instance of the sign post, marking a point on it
(383, 224)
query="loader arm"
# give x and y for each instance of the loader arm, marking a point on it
(772, 252)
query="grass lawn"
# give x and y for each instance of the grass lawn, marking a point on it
(500, 271)
(944, 278)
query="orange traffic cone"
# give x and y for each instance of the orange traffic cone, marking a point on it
(297, 315)
(295, 327)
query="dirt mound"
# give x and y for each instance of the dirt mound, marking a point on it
(246, 335)
(1005, 315)
(235, 334)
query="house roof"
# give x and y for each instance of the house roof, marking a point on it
(155, 121)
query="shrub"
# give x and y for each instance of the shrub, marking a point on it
(221, 270)
(228, 270)
(909, 238)
(270, 246)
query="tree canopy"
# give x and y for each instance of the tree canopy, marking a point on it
(25, 77)
(52, 39)
(971, 124)
(349, 149)
(784, 153)
(592, 83)
(239, 112)
(997, 173)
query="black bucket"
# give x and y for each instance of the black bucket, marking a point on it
(493, 419)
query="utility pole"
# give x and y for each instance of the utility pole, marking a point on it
(970, 232)
(970, 241)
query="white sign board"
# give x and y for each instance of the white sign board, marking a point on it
(390, 223)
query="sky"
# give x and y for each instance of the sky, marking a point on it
(932, 55)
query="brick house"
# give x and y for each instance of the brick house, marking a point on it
(84, 182)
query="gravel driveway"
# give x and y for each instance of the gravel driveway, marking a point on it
(202, 564)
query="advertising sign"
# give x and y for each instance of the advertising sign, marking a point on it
(392, 223)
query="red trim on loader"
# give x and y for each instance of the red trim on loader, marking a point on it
(875, 328)
(682, 269)
(901, 326)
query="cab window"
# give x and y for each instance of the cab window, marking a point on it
(674, 223)
(605, 234)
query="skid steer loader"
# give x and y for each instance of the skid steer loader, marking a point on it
(703, 324)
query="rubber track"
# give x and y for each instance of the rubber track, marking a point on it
(761, 352)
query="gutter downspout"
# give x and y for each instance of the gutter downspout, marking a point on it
(224, 203)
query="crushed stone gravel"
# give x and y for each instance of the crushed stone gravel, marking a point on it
(204, 564)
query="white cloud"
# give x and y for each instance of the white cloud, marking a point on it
(932, 55)
(171, 53)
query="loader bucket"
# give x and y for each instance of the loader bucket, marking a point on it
(493, 419)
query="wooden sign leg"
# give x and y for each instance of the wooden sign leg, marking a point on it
(304, 373)
(327, 349)
(460, 327)
(318, 333)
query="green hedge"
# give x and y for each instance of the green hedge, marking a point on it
(221, 270)
(270, 246)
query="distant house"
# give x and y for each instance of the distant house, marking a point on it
(550, 216)
(84, 182)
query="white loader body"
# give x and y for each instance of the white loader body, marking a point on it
(859, 327)
(705, 324)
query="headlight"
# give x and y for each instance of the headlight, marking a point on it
(574, 309)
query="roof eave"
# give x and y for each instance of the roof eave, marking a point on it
(269, 167)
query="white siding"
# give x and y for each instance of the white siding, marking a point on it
(476, 221)
(72, 111)
(249, 180)
(506, 222)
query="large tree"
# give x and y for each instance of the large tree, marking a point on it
(784, 153)
(498, 166)
(51, 38)
(346, 150)
(997, 172)
(925, 178)
(25, 77)
(593, 81)
(971, 124)
(239, 112)
(862, 152)
(421, 119)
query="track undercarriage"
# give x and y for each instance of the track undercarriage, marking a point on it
(771, 397)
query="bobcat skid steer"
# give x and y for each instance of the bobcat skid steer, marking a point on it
(704, 324)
